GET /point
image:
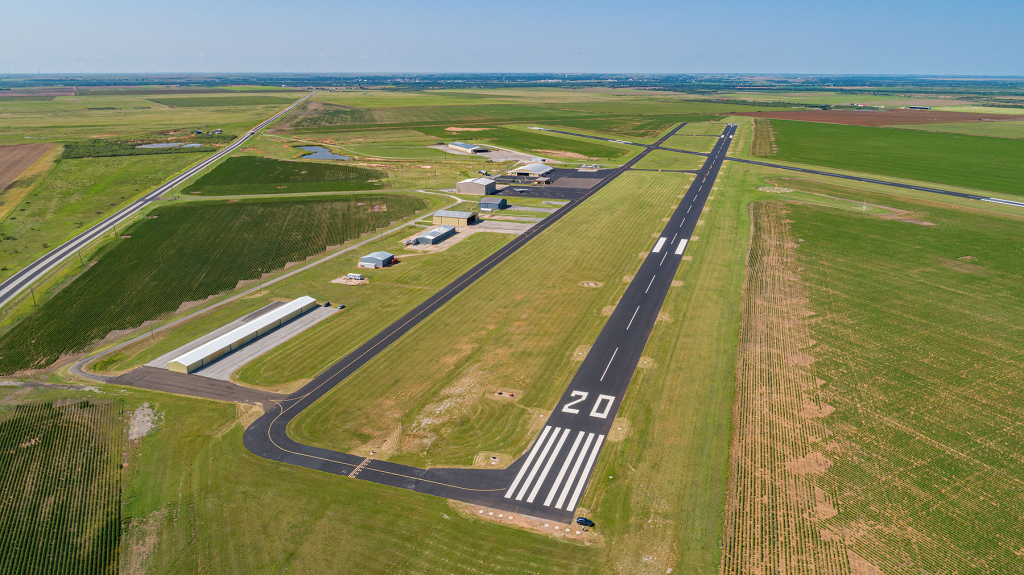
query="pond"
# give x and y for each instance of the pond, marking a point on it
(321, 153)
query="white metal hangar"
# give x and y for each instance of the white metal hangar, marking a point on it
(466, 148)
(435, 236)
(453, 218)
(531, 170)
(476, 186)
(376, 260)
(493, 204)
(236, 338)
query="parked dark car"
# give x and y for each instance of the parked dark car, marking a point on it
(584, 522)
(341, 306)
(327, 304)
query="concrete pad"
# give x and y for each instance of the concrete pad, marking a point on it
(230, 363)
(195, 386)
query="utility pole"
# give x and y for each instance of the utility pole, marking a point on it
(33, 296)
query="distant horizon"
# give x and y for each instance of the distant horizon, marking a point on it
(410, 73)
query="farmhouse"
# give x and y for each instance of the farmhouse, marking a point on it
(435, 236)
(377, 260)
(531, 170)
(493, 204)
(453, 218)
(236, 338)
(476, 186)
(466, 148)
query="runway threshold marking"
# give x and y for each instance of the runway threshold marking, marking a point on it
(681, 247)
(634, 314)
(609, 364)
(657, 246)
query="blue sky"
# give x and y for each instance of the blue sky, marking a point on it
(787, 36)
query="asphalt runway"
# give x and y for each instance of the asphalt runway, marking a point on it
(549, 480)
(21, 280)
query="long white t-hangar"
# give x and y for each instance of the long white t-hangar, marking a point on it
(236, 338)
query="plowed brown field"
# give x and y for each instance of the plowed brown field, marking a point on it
(883, 118)
(16, 159)
(774, 508)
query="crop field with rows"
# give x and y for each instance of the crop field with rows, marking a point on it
(878, 400)
(60, 491)
(202, 102)
(187, 253)
(252, 175)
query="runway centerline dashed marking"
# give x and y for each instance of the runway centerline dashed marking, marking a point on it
(634, 315)
(609, 364)
(663, 258)
(650, 284)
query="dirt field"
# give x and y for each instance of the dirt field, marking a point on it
(774, 508)
(883, 118)
(16, 159)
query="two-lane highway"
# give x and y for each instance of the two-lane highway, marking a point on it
(18, 282)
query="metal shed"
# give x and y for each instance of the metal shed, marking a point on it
(492, 204)
(476, 186)
(452, 218)
(531, 170)
(466, 148)
(236, 338)
(377, 260)
(435, 236)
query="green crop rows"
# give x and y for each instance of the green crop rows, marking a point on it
(187, 253)
(253, 175)
(971, 161)
(60, 505)
(105, 149)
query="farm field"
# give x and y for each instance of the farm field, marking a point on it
(524, 340)
(664, 160)
(25, 181)
(992, 129)
(253, 175)
(60, 509)
(185, 253)
(16, 159)
(204, 102)
(74, 195)
(855, 412)
(980, 163)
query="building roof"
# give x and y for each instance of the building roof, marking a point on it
(438, 231)
(535, 168)
(238, 333)
(491, 200)
(380, 255)
(464, 146)
(481, 181)
(454, 214)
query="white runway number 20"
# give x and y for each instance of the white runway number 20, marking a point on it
(601, 407)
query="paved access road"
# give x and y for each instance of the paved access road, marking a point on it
(550, 479)
(15, 284)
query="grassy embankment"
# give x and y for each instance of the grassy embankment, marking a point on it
(970, 161)
(183, 253)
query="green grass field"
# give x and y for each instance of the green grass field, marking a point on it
(186, 253)
(529, 141)
(201, 102)
(691, 143)
(917, 349)
(969, 161)
(665, 160)
(60, 508)
(253, 175)
(74, 195)
(1013, 129)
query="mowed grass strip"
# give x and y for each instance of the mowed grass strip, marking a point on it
(544, 144)
(970, 161)
(255, 175)
(918, 351)
(666, 160)
(515, 328)
(60, 504)
(187, 253)
(205, 102)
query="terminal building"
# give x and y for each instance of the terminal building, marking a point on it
(493, 204)
(435, 236)
(467, 148)
(476, 186)
(377, 260)
(531, 171)
(236, 338)
(453, 218)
